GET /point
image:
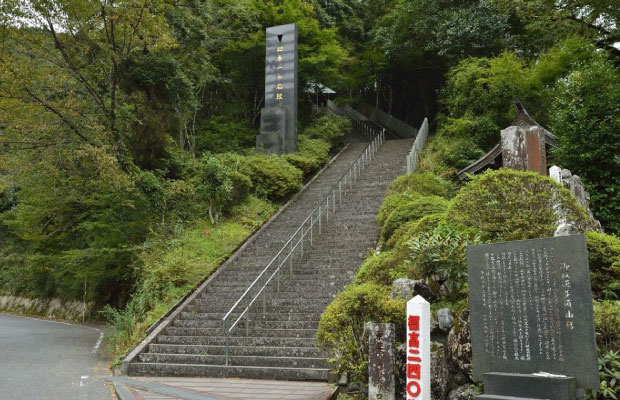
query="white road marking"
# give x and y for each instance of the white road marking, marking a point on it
(98, 342)
(83, 378)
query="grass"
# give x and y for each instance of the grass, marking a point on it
(171, 266)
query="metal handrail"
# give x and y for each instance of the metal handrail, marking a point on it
(418, 145)
(349, 177)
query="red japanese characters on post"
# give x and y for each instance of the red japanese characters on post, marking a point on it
(413, 356)
(418, 349)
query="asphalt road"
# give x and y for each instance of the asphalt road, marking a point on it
(42, 360)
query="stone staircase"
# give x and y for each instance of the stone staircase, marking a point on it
(279, 343)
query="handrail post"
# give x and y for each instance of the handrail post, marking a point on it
(226, 336)
(320, 219)
(311, 227)
(290, 258)
(327, 213)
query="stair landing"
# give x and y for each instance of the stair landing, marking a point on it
(220, 389)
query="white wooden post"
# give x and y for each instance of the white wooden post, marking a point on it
(418, 349)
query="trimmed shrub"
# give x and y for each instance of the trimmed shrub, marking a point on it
(604, 257)
(412, 211)
(425, 184)
(318, 149)
(392, 202)
(272, 176)
(341, 330)
(310, 156)
(512, 205)
(302, 162)
(402, 235)
(382, 268)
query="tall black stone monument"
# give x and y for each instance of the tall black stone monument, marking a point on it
(531, 318)
(279, 117)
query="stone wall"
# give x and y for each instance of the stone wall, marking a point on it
(48, 308)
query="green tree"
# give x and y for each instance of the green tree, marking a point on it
(586, 117)
(214, 185)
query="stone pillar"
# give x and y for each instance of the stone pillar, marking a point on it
(524, 149)
(380, 361)
(281, 90)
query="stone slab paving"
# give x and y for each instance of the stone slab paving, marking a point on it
(231, 389)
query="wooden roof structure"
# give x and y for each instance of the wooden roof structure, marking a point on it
(493, 159)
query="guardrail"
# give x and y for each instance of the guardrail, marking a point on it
(364, 128)
(393, 124)
(334, 108)
(418, 145)
(295, 245)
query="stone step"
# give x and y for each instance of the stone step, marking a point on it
(254, 316)
(266, 351)
(218, 371)
(282, 294)
(259, 324)
(253, 361)
(241, 331)
(284, 337)
(237, 341)
(285, 309)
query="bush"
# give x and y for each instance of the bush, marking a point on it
(403, 234)
(604, 257)
(382, 268)
(272, 176)
(318, 149)
(341, 330)
(439, 256)
(221, 133)
(331, 128)
(241, 185)
(478, 130)
(425, 184)
(512, 205)
(306, 164)
(609, 373)
(392, 202)
(310, 156)
(412, 211)
(607, 324)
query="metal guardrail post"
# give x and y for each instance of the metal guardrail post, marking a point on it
(226, 333)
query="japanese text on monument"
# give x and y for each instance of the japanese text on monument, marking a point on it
(506, 281)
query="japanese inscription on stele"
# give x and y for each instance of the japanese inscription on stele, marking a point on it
(281, 62)
(531, 308)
